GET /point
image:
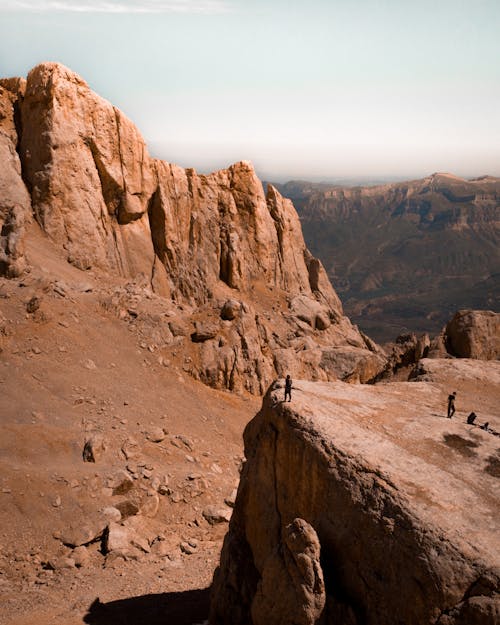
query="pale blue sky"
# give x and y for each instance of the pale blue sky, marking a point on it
(316, 89)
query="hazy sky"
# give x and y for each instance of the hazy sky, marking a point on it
(316, 89)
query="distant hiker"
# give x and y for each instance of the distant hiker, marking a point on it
(451, 404)
(288, 388)
(471, 418)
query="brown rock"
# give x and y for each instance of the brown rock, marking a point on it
(291, 589)
(398, 542)
(204, 332)
(474, 334)
(15, 203)
(89, 171)
(81, 556)
(105, 203)
(230, 310)
(76, 536)
(93, 448)
(215, 515)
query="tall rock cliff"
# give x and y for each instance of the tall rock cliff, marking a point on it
(360, 505)
(229, 257)
(15, 207)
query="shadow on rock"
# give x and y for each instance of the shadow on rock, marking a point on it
(174, 608)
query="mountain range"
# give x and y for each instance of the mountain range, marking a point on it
(404, 256)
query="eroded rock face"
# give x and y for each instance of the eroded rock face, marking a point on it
(404, 519)
(15, 204)
(291, 589)
(254, 302)
(88, 171)
(474, 334)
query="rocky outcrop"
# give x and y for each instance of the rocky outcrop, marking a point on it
(474, 334)
(253, 301)
(401, 501)
(88, 172)
(15, 205)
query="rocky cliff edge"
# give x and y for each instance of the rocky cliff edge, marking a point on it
(366, 505)
(253, 302)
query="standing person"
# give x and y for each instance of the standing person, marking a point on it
(288, 388)
(451, 404)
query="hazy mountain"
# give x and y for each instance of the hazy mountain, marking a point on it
(405, 255)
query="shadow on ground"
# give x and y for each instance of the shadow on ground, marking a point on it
(174, 608)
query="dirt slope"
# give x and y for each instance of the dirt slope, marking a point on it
(72, 367)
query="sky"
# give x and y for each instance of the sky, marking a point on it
(316, 90)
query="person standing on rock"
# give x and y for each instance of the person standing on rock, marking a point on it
(451, 404)
(288, 388)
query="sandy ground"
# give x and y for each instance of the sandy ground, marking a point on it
(79, 365)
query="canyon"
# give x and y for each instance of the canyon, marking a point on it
(145, 310)
(405, 256)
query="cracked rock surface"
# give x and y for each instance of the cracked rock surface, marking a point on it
(404, 502)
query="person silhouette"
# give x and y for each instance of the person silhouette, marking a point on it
(451, 404)
(288, 388)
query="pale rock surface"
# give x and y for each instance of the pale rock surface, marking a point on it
(404, 502)
(88, 171)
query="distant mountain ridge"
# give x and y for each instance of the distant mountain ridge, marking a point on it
(405, 255)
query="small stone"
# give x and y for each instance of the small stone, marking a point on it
(231, 500)
(151, 505)
(230, 310)
(90, 364)
(130, 448)
(187, 548)
(57, 502)
(111, 513)
(216, 515)
(121, 483)
(156, 435)
(93, 448)
(33, 305)
(81, 556)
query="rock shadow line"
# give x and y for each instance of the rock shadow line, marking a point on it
(173, 608)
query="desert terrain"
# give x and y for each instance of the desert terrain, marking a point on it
(145, 311)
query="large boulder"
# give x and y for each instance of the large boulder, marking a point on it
(401, 501)
(474, 334)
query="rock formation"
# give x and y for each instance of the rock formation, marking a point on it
(15, 206)
(252, 302)
(474, 334)
(402, 502)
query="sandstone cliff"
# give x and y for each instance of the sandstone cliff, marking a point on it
(250, 300)
(15, 208)
(400, 502)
